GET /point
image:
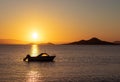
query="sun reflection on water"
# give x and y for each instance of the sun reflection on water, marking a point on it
(34, 76)
(34, 50)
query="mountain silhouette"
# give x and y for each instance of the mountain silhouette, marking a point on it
(117, 42)
(92, 41)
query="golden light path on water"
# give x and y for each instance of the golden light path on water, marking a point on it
(34, 76)
(34, 50)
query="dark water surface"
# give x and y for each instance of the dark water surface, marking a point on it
(88, 63)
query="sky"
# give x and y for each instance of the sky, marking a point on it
(59, 21)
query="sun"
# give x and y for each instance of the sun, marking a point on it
(35, 36)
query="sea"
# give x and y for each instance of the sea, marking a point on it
(73, 63)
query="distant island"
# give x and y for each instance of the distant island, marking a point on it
(117, 42)
(92, 41)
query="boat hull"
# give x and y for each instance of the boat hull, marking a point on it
(42, 59)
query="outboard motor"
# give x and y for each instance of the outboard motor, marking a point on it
(28, 56)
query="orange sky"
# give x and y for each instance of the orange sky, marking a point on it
(59, 21)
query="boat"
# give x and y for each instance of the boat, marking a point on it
(43, 57)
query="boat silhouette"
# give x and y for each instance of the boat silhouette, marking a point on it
(43, 57)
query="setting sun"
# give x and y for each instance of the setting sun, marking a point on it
(35, 36)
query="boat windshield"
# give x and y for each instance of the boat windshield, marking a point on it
(44, 54)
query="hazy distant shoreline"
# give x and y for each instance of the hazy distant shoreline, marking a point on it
(92, 41)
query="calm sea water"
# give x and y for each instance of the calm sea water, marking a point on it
(84, 63)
